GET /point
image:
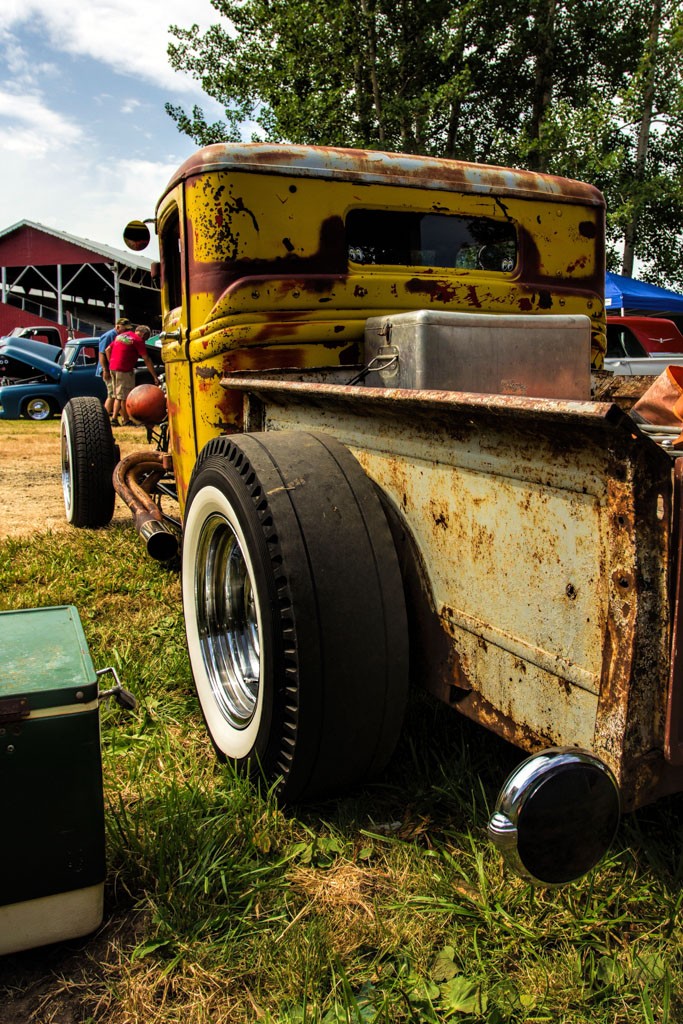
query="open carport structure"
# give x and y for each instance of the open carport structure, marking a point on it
(49, 276)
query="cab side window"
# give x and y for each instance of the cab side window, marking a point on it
(622, 342)
(397, 238)
(170, 259)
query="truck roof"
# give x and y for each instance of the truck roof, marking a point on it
(371, 167)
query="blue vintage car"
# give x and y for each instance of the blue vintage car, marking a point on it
(37, 382)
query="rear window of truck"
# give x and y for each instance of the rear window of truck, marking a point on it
(397, 238)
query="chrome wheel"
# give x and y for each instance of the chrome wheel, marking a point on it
(67, 481)
(38, 409)
(227, 614)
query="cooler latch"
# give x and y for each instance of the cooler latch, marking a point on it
(13, 709)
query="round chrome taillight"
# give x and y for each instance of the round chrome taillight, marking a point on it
(556, 815)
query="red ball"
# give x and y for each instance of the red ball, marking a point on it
(147, 404)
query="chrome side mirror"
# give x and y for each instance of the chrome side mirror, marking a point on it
(556, 815)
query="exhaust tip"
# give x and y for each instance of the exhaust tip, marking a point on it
(556, 816)
(162, 543)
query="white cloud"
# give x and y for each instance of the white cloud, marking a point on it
(31, 127)
(130, 36)
(91, 200)
(82, 149)
(22, 70)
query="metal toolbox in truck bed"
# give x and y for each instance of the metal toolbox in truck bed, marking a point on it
(52, 861)
(543, 356)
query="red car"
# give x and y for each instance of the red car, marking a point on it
(642, 344)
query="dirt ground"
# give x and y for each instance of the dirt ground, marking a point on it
(43, 985)
(31, 499)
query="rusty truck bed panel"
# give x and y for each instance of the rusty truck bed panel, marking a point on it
(532, 535)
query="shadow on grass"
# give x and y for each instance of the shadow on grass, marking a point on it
(444, 777)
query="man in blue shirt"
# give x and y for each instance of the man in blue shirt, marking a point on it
(122, 324)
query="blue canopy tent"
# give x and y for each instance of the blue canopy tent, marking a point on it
(624, 295)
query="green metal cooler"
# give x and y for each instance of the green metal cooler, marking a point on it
(52, 861)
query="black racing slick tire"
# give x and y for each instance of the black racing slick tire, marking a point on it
(294, 610)
(88, 459)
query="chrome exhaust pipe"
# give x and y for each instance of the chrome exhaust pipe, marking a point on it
(556, 816)
(161, 541)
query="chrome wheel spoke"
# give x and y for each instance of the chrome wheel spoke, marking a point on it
(227, 617)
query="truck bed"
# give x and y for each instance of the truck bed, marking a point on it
(535, 537)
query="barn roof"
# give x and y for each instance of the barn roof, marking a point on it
(107, 253)
(53, 276)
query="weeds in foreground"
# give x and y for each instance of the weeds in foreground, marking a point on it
(386, 905)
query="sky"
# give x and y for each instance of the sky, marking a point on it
(85, 142)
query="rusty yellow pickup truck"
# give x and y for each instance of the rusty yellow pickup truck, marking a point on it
(380, 432)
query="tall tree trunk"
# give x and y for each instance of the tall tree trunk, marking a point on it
(457, 61)
(369, 17)
(631, 232)
(543, 85)
(361, 102)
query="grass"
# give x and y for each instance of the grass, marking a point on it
(387, 905)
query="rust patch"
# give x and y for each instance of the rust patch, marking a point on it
(439, 514)
(436, 291)
(577, 265)
(622, 580)
(477, 708)
(472, 297)
(230, 264)
(370, 166)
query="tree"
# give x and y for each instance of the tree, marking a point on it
(650, 213)
(329, 72)
(565, 86)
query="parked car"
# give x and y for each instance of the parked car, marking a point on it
(16, 358)
(49, 385)
(48, 335)
(642, 345)
(37, 385)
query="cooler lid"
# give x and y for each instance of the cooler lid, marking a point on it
(45, 658)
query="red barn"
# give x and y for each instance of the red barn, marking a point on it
(49, 277)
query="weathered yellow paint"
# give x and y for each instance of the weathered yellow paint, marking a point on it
(262, 269)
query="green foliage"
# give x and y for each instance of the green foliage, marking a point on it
(550, 85)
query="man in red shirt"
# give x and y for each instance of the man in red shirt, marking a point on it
(123, 354)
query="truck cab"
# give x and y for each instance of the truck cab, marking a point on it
(275, 256)
(46, 334)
